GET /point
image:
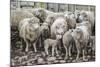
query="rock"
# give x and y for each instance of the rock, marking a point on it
(59, 58)
(29, 63)
(40, 60)
(62, 61)
(51, 58)
(16, 58)
(38, 55)
(24, 63)
(68, 61)
(13, 62)
(56, 61)
(43, 54)
(30, 52)
(74, 61)
(70, 58)
(88, 56)
(48, 62)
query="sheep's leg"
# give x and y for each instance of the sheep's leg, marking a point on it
(70, 50)
(53, 50)
(83, 54)
(46, 50)
(59, 46)
(66, 56)
(84, 57)
(26, 49)
(78, 53)
(56, 51)
(34, 45)
(78, 50)
(40, 40)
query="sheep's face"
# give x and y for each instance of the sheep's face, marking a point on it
(83, 17)
(33, 27)
(34, 24)
(50, 19)
(40, 13)
(77, 14)
(61, 28)
(45, 25)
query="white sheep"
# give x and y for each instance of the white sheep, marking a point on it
(29, 31)
(58, 28)
(18, 15)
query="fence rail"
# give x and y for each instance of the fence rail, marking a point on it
(56, 7)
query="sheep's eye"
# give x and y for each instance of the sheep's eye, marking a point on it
(51, 17)
(64, 26)
(85, 15)
(57, 27)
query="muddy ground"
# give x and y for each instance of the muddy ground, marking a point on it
(21, 58)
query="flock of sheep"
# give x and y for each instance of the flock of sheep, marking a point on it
(44, 29)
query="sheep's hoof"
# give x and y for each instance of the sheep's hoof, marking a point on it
(65, 58)
(35, 51)
(85, 59)
(77, 59)
(57, 55)
(26, 50)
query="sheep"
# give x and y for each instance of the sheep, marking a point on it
(44, 30)
(81, 37)
(88, 16)
(77, 14)
(52, 17)
(58, 28)
(67, 42)
(51, 43)
(41, 13)
(70, 18)
(18, 15)
(91, 44)
(29, 30)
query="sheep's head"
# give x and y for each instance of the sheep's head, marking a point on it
(40, 13)
(61, 27)
(50, 19)
(34, 23)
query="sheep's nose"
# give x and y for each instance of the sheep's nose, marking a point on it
(36, 26)
(62, 33)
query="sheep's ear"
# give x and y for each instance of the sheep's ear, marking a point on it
(67, 17)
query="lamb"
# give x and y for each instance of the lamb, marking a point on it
(51, 43)
(29, 31)
(81, 37)
(68, 42)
